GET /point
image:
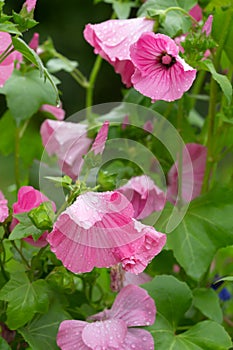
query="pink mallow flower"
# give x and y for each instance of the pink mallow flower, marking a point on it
(112, 39)
(114, 328)
(144, 195)
(7, 65)
(196, 12)
(160, 73)
(4, 211)
(193, 170)
(28, 199)
(98, 230)
(100, 140)
(30, 5)
(68, 141)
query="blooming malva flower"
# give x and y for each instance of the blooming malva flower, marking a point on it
(160, 73)
(193, 170)
(98, 230)
(112, 39)
(68, 141)
(4, 211)
(28, 199)
(144, 195)
(114, 328)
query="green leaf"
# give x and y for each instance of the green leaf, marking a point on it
(25, 228)
(9, 28)
(222, 80)
(24, 299)
(122, 9)
(41, 332)
(207, 335)
(226, 279)
(207, 301)
(32, 56)
(175, 22)
(206, 227)
(56, 64)
(26, 93)
(172, 297)
(3, 344)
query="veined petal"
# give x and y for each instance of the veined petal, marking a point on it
(69, 335)
(134, 306)
(138, 339)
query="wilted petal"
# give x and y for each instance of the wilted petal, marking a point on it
(160, 73)
(4, 211)
(69, 335)
(193, 171)
(134, 306)
(144, 195)
(131, 278)
(69, 142)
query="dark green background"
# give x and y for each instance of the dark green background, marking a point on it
(64, 22)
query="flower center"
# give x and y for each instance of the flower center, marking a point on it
(167, 60)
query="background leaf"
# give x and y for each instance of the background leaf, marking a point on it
(24, 299)
(26, 93)
(41, 332)
(206, 227)
(207, 301)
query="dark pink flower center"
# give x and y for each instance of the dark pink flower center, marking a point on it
(167, 60)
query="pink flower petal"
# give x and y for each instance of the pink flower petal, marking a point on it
(149, 245)
(196, 12)
(69, 335)
(101, 138)
(7, 66)
(4, 211)
(138, 339)
(193, 169)
(98, 230)
(160, 73)
(69, 142)
(109, 334)
(134, 306)
(34, 42)
(30, 198)
(144, 195)
(57, 112)
(30, 5)
(112, 39)
(131, 278)
(207, 28)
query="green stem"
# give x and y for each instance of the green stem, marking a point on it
(2, 260)
(197, 86)
(212, 107)
(6, 53)
(176, 8)
(17, 155)
(180, 113)
(21, 254)
(90, 89)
